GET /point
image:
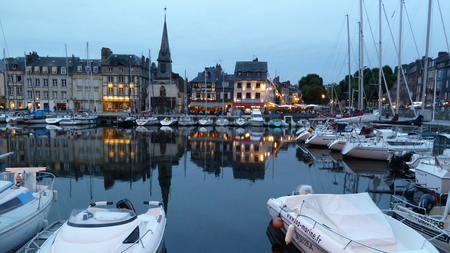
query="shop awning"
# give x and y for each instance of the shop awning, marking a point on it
(248, 104)
(203, 104)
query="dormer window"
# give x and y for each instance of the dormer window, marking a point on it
(63, 70)
(88, 69)
(95, 69)
(14, 66)
(79, 68)
(249, 73)
(258, 74)
(54, 70)
(44, 70)
(239, 73)
(36, 70)
(28, 70)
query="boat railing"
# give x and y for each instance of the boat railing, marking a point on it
(350, 240)
(35, 244)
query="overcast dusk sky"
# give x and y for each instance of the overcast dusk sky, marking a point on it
(295, 37)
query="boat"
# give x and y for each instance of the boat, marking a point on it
(70, 122)
(169, 121)
(99, 228)
(53, 121)
(85, 118)
(126, 120)
(395, 122)
(207, 121)
(25, 200)
(146, 119)
(341, 223)
(186, 120)
(276, 123)
(256, 119)
(385, 144)
(239, 122)
(222, 121)
(324, 136)
(37, 117)
(424, 210)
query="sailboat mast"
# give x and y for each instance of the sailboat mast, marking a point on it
(185, 93)
(425, 72)
(380, 93)
(349, 69)
(361, 62)
(399, 68)
(206, 94)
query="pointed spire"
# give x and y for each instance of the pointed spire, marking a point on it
(164, 58)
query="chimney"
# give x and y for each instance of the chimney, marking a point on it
(218, 70)
(442, 53)
(106, 52)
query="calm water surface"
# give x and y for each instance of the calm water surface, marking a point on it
(214, 182)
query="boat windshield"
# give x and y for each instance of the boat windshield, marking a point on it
(100, 217)
(256, 116)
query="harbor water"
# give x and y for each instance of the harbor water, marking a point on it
(214, 182)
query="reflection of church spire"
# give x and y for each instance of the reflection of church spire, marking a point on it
(164, 58)
(164, 178)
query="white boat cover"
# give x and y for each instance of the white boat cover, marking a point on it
(353, 215)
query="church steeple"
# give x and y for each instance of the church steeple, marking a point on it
(164, 58)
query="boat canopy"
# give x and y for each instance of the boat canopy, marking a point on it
(353, 215)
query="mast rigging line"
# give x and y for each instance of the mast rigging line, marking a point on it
(443, 26)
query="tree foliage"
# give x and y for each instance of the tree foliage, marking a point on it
(312, 89)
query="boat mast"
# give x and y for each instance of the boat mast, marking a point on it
(361, 62)
(380, 90)
(399, 67)
(349, 69)
(424, 83)
(206, 94)
(185, 93)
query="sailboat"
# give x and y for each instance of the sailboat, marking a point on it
(185, 120)
(207, 121)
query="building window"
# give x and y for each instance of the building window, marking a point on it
(10, 90)
(36, 70)
(79, 94)
(54, 70)
(258, 95)
(45, 94)
(249, 73)
(110, 91)
(120, 79)
(19, 78)
(55, 82)
(63, 70)
(239, 95)
(45, 82)
(54, 94)
(37, 83)
(88, 69)
(88, 82)
(248, 95)
(88, 95)
(239, 86)
(121, 91)
(63, 83)
(30, 94)
(162, 91)
(79, 68)
(19, 91)
(28, 70)
(95, 69)
(110, 79)
(79, 82)
(95, 82)
(110, 69)
(63, 95)
(120, 69)
(239, 73)
(29, 83)
(249, 85)
(44, 70)
(38, 94)
(258, 85)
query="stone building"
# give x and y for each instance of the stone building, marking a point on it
(123, 74)
(87, 89)
(443, 77)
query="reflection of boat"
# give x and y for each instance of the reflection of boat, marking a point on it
(169, 121)
(222, 121)
(205, 121)
(102, 229)
(24, 205)
(240, 122)
(276, 238)
(341, 223)
(126, 121)
(166, 129)
(53, 121)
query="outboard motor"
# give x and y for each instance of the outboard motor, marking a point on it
(427, 201)
(125, 204)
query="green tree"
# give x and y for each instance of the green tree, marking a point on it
(312, 89)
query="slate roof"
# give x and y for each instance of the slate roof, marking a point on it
(201, 78)
(253, 67)
(2, 66)
(123, 59)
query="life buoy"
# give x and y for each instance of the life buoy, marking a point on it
(122, 118)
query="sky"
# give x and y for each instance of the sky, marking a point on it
(295, 37)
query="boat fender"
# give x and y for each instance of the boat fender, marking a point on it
(45, 223)
(277, 223)
(289, 234)
(55, 195)
(427, 202)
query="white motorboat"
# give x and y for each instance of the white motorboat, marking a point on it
(385, 144)
(341, 223)
(86, 118)
(146, 119)
(222, 121)
(207, 121)
(70, 122)
(53, 121)
(339, 143)
(424, 210)
(276, 123)
(256, 119)
(109, 230)
(186, 120)
(169, 121)
(239, 122)
(25, 200)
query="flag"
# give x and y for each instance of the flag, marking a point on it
(311, 129)
(309, 162)
(436, 162)
(435, 197)
(360, 120)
